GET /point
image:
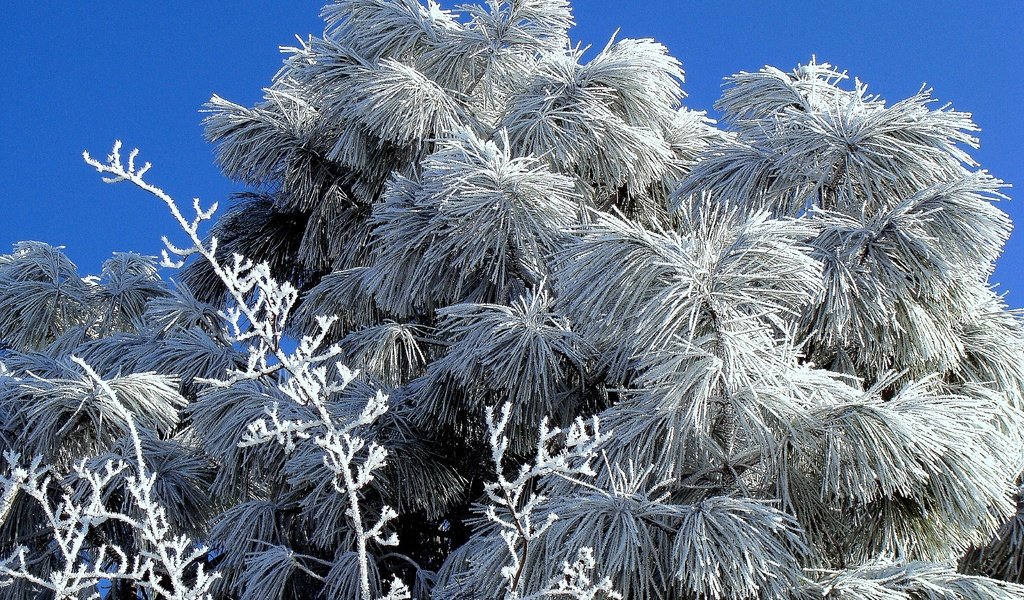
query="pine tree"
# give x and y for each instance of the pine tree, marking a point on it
(498, 317)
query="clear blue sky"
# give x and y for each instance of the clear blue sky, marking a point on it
(77, 75)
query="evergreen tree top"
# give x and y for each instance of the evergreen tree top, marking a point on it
(497, 320)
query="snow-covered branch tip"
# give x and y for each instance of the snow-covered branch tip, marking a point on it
(257, 320)
(261, 304)
(167, 565)
(515, 503)
(114, 166)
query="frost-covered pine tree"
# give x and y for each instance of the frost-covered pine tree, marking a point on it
(499, 318)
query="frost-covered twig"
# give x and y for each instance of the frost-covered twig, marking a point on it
(257, 319)
(70, 522)
(163, 558)
(577, 581)
(261, 306)
(517, 498)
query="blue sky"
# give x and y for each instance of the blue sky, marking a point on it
(77, 75)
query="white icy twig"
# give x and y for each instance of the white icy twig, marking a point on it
(256, 319)
(516, 499)
(161, 563)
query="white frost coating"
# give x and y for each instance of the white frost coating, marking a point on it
(786, 321)
(257, 320)
(168, 565)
